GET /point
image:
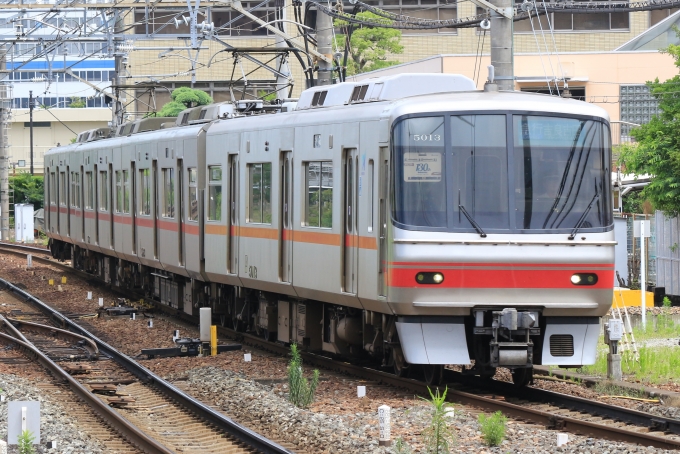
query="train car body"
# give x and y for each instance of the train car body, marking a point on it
(407, 218)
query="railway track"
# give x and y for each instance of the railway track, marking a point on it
(154, 416)
(552, 410)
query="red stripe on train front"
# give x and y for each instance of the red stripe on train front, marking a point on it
(475, 278)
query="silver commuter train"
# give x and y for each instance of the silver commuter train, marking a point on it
(410, 219)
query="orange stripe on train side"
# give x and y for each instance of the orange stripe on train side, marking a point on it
(368, 242)
(191, 229)
(212, 229)
(167, 225)
(122, 219)
(144, 222)
(258, 232)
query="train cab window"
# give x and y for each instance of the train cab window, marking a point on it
(319, 199)
(62, 188)
(89, 191)
(193, 193)
(103, 191)
(53, 189)
(259, 208)
(215, 193)
(145, 192)
(169, 192)
(75, 189)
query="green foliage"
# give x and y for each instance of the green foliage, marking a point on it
(438, 436)
(658, 149)
(28, 189)
(667, 301)
(266, 97)
(493, 428)
(183, 98)
(301, 392)
(369, 47)
(26, 442)
(401, 447)
(633, 202)
(77, 103)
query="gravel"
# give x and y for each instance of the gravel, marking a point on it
(55, 423)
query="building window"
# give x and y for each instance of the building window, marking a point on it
(103, 191)
(586, 22)
(259, 200)
(215, 193)
(193, 194)
(637, 106)
(62, 187)
(319, 201)
(145, 192)
(169, 192)
(89, 194)
(75, 189)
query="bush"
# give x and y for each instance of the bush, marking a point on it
(26, 443)
(301, 392)
(438, 436)
(493, 428)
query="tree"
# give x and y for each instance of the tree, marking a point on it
(28, 189)
(183, 98)
(77, 103)
(657, 151)
(369, 47)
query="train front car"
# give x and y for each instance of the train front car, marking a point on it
(501, 241)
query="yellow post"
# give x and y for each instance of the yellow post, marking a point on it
(213, 340)
(51, 282)
(63, 279)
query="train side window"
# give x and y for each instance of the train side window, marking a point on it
(62, 194)
(119, 191)
(103, 191)
(75, 189)
(259, 200)
(89, 193)
(53, 189)
(193, 194)
(319, 199)
(169, 192)
(215, 193)
(126, 191)
(145, 191)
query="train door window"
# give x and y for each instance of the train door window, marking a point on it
(215, 193)
(75, 189)
(259, 200)
(62, 187)
(119, 191)
(126, 191)
(145, 191)
(319, 200)
(193, 194)
(53, 189)
(89, 192)
(103, 191)
(169, 192)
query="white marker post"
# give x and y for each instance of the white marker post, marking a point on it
(384, 425)
(29, 261)
(89, 295)
(361, 391)
(641, 229)
(101, 302)
(247, 357)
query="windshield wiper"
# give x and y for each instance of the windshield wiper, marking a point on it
(572, 235)
(472, 221)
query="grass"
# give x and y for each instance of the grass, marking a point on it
(493, 428)
(301, 391)
(439, 438)
(609, 389)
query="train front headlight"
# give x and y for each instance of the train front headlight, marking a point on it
(584, 279)
(427, 277)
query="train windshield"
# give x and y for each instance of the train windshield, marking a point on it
(502, 172)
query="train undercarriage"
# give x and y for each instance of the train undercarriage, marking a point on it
(507, 338)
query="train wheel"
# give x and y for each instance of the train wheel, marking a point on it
(434, 374)
(399, 362)
(522, 377)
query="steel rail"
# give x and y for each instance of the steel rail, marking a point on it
(548, 419)
(88, 343)
(234, 429)
(131, 433)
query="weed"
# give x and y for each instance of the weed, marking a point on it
(609, 389)
(26, 442)
(301, 392)
(438, 436)
(493, 428)
(401, 447)
(667, 301)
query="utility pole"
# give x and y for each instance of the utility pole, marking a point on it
(282, 63)
(324, 37)
(5, 106)
(30, 119)
(118, 109)
(501, 43)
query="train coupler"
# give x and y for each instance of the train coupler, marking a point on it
(511, 345)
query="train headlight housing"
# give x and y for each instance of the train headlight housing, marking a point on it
(427, 277)
(584, 279)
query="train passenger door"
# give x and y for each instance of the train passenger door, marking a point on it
(382, 219)
(156, 210)
(286, 221)
(82, 203)
(133, 205)
(351, 237)
(232, 224)
(180, 210)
